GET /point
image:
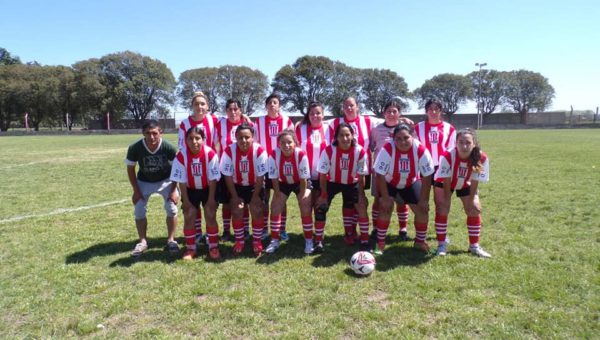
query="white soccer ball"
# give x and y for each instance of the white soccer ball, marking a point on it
(362, 263)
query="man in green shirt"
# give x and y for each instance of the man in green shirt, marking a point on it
(154, 156)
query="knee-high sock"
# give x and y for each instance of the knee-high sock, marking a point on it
(363, 223)
(275, 226)
(348, 216)
(213, 235)
(382, 227)
(421, 229)
(319, 230)
(402, 212)
(375, 212)
(474, 227)
(190, 238)
(307, 227)
(238, 229)
(198, 222)
(226, 214)
(441, 226)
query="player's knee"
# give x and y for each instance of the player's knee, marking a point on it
(170, 208)
(140, 209)
(321, 212)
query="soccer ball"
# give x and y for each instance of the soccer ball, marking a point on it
(362, 263)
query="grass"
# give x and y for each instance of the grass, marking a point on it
(70, 275)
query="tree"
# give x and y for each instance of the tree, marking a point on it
(243, 83)
(139, 83)
(200, 79)
(527, 90)
(89, 95)
(7, 59)
(13, 91)
(379, 86)
(493, 89)
(346, 81)
(452, 89)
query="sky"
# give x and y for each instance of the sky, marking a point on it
(416, 39)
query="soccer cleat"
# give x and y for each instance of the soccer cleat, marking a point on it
(349, 239)
(238, 248)
(441, 251)
(257, 247)
(283, 235)
(364, 246)
(403, 235)
(378, 249)
(139, 249)
(422, 246)
(477, 250)
(308, 247)
(318, 248)
(172, 247)
(189, 255)
(226, 236)
(272, 247)
(214, 254)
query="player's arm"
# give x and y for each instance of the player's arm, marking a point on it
(137, 193)
(184, 196)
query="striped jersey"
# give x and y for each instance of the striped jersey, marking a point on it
(289, 169)
(313, 141)
(344, 166)
(267, 130)
(196, 171)
(461, 170)
(402, 169)
(437, 138)
(226, 132)
(207, 124)
(246, 167)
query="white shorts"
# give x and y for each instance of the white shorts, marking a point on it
(162, 188)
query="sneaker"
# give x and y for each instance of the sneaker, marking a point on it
(238, 248)
(378, 249)
(272, 247)
(318, 248)
(364, 246)
(257, 247)
(308, 247)
(477, 250)
(283, 235)
(441, 251)
(403, 235)
(139, 249)
(422, 246)
(189, 255)
(349, 239)
(172, 247)
(214, 254)
(226, 236)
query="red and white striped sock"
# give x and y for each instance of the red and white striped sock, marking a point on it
(348, 217)
(375, 212)
(307, 227)
(474, 227)
(354, 221)
(402, 213)
(238, 229)
(284, 219)
(190, 238)
(421, 233)
(319, 230)
(198, 222)
(226, 214)
(382, 227)
(363, 223)
(441, 225)
(275, 226)
(213, 236)
(257, 230)
(246, 219)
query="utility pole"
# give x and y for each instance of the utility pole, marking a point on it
(479, 103)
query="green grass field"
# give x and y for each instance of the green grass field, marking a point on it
(67, 273)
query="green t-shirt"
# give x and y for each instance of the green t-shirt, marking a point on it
(153, 166)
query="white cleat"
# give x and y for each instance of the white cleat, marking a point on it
(441, 251)
(308, 247)
(272, 247)
(477, 250)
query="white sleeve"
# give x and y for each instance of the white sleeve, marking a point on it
(178, 172)
(382, 162)
(226, 165)
(324, 163)
(484, 175)
(363, 165)
(129, 163)
(426, 166)
(304, 168)
(213, 169)
(273, 170)
(181, 139)
(452, 140)
(261, 164)
(444, 169)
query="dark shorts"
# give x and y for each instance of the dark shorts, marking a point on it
(222, 192)
(315, 185)
(349, 193)
(409, 195)
(268, 183)
(287, 189)
(197, 196)
(459, 193)
(368, 182)
(245, 193)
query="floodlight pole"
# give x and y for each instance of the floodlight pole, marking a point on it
(479, 106)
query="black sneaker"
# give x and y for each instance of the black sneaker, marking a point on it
(226, 236)
(403, 235)
(318, 248)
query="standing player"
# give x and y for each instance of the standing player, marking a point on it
(196, 169)
(154, 156)
(225, 129)
(201, 117)
(461, 169)
(399, 167)
(267, 129)
(244, 165)
(289, 172)
(342, 167)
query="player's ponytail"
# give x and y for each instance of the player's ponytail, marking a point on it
(475, 156)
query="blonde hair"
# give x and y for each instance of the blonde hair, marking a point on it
(199, 94)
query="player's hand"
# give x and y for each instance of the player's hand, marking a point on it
(321, 201)
(237, 202)
(136, 197)
(174, 197)
(406, 121)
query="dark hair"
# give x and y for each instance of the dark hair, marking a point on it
(401, 127)
(287, 133)
(397, 103)
(233, 101)
(311, 105)
(337, 132)
(271, 96)
(196, 129)
(150, 124)
(475, 156)
(433, 101)
(244, 126)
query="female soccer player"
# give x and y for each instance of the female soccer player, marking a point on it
(196, 169)
(461, 169)
(399, 167)
(342, 168)
(289, 172)
(244, 165)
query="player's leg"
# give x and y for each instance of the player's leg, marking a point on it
(442, 208)
(472, 208)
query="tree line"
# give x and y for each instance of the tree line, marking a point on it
(130, 84)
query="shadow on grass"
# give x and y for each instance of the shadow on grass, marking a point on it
(155, 252)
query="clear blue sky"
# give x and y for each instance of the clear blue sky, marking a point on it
(417, 39)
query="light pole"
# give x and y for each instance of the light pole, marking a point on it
(479, 106)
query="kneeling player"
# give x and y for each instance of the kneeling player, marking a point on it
(196, 169)
(399, 167)
(244, 165)
(289, 172)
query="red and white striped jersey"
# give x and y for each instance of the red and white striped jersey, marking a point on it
(289, 169)
(402, 169)
(226, 132)
(267, 130)
(461, 170)
(362, 126)
(437, 138)
(196, 171)
(313, 141)
(207, 124)
(245, 168)
(344, 166)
